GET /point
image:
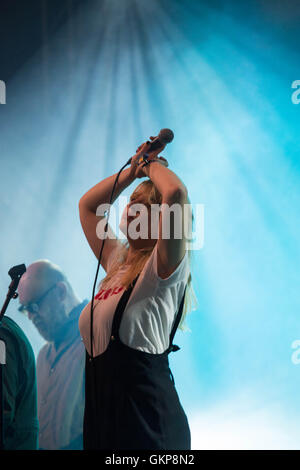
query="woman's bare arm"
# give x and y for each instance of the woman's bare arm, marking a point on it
(170, 250)
(88, 204)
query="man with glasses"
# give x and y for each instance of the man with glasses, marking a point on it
(49, 301)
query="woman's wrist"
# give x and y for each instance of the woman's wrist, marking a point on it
(146, 167)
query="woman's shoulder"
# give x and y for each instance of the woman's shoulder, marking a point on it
(180, 274)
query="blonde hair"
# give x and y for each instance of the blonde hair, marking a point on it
(152, 196)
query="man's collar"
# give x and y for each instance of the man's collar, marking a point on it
(74, 314)
(69, 331)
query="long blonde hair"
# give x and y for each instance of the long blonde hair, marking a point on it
(152, 196)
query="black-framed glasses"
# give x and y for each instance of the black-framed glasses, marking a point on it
(33, 307)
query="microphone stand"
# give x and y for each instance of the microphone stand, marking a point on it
(15, 273)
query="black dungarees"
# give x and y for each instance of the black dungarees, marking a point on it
(130, 397)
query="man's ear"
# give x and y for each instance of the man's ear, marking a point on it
(62, 290)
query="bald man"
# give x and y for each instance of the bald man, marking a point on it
(50, 302)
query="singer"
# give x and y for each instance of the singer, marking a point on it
(131, 401)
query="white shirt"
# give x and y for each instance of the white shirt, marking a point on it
(60, 383)
(149, 314)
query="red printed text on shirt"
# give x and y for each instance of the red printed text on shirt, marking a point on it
(104, 293)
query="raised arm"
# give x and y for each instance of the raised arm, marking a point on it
(172, 250)
(88, 204)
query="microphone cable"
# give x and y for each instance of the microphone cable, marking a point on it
(99, 260)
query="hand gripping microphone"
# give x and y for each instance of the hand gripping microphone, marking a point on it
(164, 137)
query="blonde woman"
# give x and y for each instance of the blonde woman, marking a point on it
(130, 397)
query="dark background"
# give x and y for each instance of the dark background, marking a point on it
(26, 24)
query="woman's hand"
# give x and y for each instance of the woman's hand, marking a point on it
(137, 160)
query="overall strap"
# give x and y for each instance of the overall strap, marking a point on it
(120, 309)
(174, 347)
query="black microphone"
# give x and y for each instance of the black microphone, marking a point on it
(164, 137)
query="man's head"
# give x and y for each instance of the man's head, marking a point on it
(47, 297)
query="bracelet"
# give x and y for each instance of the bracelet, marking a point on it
(143, 158)
(147, 162)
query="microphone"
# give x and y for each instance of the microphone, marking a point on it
(164, 137)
